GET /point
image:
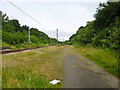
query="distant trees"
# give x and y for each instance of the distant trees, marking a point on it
(104, 31)
(13, 33)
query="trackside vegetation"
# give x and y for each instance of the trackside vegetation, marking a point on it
(16, 35)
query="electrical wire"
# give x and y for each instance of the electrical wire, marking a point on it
(26, 14)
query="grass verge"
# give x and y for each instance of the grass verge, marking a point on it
(102, 58)
(33, 69)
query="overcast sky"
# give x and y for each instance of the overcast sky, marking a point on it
(66, 15)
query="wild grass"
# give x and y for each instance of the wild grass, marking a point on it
(33, 69)
(22, 45)
(102, 58)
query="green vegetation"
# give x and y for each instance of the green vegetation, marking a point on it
(101, 57)
(104, 35)
(104, 31)
(33, 69)
(13, 34)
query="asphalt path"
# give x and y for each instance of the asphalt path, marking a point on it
(80, 72)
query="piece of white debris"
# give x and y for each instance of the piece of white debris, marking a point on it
(54, 82)
(40, 52)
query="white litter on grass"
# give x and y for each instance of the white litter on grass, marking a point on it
(54, 82)
(40, 52)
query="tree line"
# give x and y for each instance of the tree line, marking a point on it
(15, 34)
(104, 31)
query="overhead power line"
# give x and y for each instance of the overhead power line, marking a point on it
(26, 14)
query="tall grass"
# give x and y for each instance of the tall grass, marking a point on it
(33, 69)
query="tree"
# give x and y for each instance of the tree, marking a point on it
(106, 14)
(8, 28)
(15, 23)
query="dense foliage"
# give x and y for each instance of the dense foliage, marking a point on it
(104, 31)
(15, 34)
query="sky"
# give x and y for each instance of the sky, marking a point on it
(65, 15)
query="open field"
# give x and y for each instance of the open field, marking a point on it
(33, 69)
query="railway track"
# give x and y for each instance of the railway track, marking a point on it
(16, 50)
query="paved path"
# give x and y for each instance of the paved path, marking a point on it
(77, 74)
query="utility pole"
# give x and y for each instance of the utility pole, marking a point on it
(57, 37)
(29, 36)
